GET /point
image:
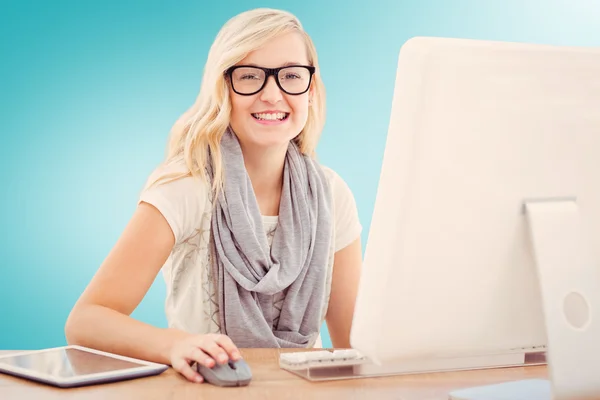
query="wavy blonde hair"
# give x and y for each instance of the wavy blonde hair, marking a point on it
(195, 137)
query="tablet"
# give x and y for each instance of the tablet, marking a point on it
(70, 366)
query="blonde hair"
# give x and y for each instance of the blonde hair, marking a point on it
(195, 137)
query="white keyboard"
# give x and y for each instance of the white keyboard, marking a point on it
(311, 359)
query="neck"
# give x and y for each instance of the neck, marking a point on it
(265, 169)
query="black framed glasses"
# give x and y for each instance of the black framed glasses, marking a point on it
(247, 80)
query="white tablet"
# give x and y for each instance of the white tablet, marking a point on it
(70, 366)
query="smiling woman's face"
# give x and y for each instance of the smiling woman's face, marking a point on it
(271, 117)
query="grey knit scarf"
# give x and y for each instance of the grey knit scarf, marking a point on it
(247, 273)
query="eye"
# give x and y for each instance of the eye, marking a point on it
(291, 75)
(248, 77)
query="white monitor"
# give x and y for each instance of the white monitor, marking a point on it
(484, 244)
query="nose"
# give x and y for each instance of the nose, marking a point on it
(271, 92)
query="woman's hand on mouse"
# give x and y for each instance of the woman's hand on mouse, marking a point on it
(203, 349)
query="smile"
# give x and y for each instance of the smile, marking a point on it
(280, 116)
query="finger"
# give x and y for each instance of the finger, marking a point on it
(210, 347)
(197, 355)
(227, 344)
(180, 365)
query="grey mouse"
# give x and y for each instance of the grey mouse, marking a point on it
(232, 373)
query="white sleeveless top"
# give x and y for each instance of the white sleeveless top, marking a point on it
(191, 303)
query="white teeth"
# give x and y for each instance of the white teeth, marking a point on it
(270, 116)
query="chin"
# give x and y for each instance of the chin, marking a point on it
(271, 139)
(270, 136)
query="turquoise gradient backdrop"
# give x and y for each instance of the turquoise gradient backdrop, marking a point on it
(89, 90)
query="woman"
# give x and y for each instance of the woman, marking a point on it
(258, 243)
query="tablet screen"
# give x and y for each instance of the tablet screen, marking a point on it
(68, 362)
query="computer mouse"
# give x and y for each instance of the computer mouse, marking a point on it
(232, 373)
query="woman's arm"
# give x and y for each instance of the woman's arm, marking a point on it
(100, 318)
(344, 287)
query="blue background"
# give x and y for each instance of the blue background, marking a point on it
(89, 90)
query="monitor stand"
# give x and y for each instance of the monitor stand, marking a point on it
(570, 289)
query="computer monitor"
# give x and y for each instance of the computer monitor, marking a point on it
(484, 243)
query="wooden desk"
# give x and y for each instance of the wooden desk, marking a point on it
(270, 382)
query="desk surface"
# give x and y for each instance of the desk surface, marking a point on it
(271, 382)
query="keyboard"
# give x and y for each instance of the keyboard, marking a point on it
(320, 359)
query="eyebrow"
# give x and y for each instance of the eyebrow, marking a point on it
(286, 64)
